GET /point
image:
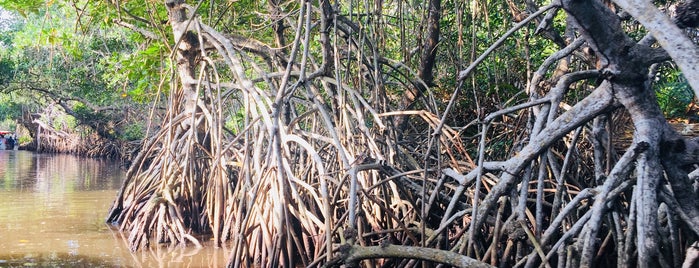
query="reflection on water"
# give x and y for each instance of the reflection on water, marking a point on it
(52, 210)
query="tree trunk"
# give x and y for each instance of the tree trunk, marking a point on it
(427, 57)
(187, 49)
(625, 64)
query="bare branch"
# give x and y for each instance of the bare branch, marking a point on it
(682, 50)
(358, 253)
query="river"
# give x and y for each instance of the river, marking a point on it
(52, 210)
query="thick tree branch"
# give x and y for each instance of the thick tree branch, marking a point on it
(594, 104)
(358, 253)
(682, 50)
(144, 32)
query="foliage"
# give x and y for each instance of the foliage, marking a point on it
(24, 7)
(673, 92)
(7, 125)
(133, 132)
(24, 139)
(138, 73)
(63, 61)
(9, 108)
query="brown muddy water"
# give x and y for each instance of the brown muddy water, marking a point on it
(52, 210)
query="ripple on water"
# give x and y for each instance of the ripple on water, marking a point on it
(55, 260)
(52, 210)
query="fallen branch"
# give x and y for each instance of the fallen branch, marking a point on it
(352, 255)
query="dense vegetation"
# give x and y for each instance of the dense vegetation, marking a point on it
(59, 79)
(369, 133)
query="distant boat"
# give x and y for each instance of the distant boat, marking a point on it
(3, 144)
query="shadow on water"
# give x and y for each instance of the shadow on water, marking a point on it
(53, 260)
(52, 210)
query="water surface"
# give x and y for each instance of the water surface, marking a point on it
(52, 210)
